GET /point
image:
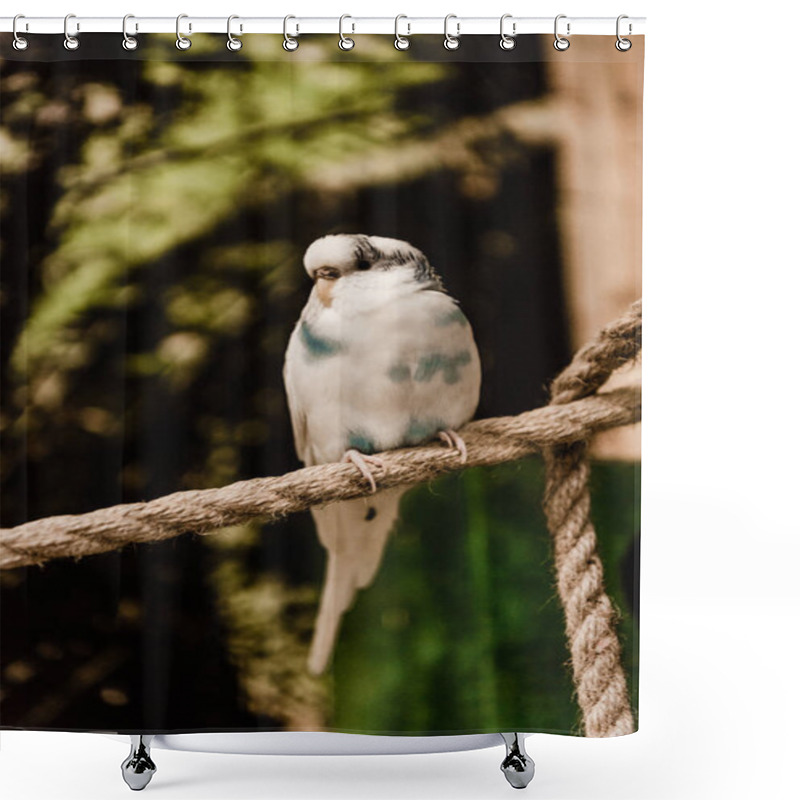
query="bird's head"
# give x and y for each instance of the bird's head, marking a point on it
(346, 258)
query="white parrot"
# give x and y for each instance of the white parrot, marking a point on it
(381, 357)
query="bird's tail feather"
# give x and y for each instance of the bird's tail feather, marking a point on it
(329, 618)
(355, 533)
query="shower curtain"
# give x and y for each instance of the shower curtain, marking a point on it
(225, 265)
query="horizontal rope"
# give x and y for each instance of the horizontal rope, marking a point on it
(488, 441)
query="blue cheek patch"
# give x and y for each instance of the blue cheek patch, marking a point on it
(420, 430)
(448, 365)
(318, 346)
(454, 317)
(399, 373)
(356, 440)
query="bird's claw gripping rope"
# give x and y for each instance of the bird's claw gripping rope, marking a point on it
(452, 439)
(363, 463)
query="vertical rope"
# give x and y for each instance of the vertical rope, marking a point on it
(591, 619)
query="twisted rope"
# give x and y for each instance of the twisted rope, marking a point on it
(590, 617)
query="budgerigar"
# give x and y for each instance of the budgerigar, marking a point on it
(381, 357)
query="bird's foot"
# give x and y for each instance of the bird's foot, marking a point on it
(363, 462)
(452, 439)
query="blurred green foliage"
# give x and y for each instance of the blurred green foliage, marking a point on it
(461, 631)
(149, 180)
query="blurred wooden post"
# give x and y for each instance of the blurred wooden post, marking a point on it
(599, 152)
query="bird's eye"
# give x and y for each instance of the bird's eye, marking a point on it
(363, 264)
(327, 273)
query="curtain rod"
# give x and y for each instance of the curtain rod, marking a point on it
(592, 26)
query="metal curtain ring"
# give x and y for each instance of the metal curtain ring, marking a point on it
(20, 42)
(289, 44)
(560, 43)
(345, 42)
(451, 42)
(70, 42)
(507, 42)
(181, 42)
(623, 45)
(401, 42)
(128, 42)
(234, 44)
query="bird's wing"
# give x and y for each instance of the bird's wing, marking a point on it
(297, 411)
(355, 533)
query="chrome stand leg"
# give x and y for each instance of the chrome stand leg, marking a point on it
(138, 768)
(517, 766)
